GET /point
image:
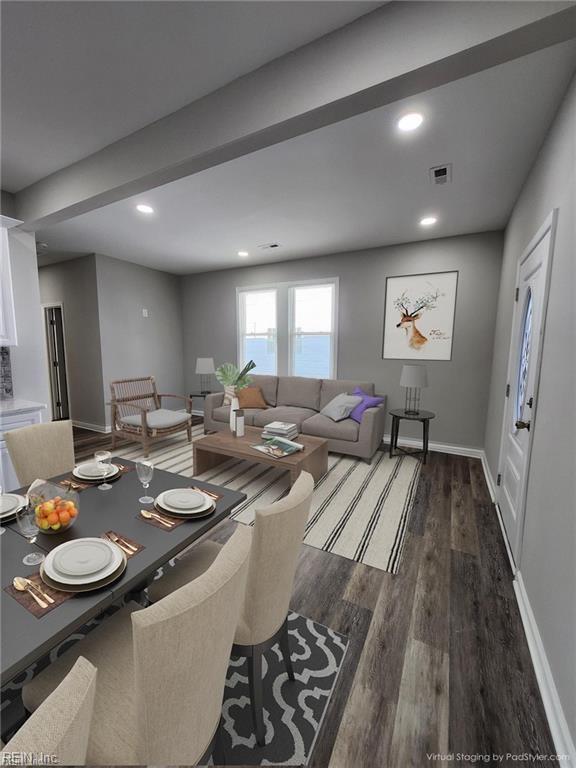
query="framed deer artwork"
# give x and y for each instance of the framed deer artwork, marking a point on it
(419, 316)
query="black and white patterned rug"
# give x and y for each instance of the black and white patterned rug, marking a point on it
(293, 711)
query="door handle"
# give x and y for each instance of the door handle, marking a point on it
(523, 425)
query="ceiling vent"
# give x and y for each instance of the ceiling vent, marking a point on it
(269, 246)
(441, 174)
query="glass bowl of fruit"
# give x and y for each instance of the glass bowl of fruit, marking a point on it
(56, 509)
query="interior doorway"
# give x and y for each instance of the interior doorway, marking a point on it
(530, 302)
(56, 346)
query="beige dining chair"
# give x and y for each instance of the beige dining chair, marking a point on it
(162, 669)
(278, 533)
(60, 727)
(41, 450)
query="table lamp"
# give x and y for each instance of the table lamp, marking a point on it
(413, 378)
(205, 367)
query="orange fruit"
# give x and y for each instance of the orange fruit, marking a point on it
(53, 518)
(64, 517)
(72, 511)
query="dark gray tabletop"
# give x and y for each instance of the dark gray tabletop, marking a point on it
(26, 638)
(420, 416)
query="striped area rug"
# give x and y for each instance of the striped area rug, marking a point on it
(359, 511)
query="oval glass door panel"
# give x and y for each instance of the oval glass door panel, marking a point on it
(524, 360)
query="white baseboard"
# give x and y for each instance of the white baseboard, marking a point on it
(561, 736)
(92, 427)
(563, 742)
(457, 450)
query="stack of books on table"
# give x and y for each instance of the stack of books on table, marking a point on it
(280, 429)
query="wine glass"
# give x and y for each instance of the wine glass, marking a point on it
(105, 459)
(145, 470)
(26, 518)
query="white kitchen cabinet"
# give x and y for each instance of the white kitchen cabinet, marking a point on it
(15, 414)
(8, 335)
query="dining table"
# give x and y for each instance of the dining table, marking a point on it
(26, 638)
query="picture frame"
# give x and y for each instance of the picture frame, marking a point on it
(419, 315)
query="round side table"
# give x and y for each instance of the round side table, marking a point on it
(423, 416)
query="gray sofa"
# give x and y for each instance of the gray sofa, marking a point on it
(299, 400)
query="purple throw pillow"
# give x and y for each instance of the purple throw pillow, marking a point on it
(367, 402)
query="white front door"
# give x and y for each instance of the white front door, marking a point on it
(523, 375)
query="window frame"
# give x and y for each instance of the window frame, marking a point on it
(334, 284)
(285, 312)
(241, 322)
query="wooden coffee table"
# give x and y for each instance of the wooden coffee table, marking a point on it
(215, 449)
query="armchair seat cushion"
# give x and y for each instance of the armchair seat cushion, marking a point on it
(323, 426)
(162, 418)
(222, 414)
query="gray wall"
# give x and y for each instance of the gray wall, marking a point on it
(73, 284)
(458, 390)
(133, 345)
(548, 560)
(29, 365)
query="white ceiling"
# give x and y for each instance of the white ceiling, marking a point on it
(77, 76)
(353, 185)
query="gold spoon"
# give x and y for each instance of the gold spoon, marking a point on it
(22, 586)
(152, 515)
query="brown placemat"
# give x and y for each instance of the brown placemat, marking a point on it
(127, 539)
(177, 521)
(26, 599)
(73, 484)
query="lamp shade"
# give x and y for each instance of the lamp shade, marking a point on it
(414, 376)
(205, 365)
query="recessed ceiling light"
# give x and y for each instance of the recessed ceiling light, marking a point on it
(243, 254)
(144, 208)
(428, 221)
(410, 122)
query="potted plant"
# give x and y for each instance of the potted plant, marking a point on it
(232, 380)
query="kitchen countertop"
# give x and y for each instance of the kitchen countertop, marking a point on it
(15, 406)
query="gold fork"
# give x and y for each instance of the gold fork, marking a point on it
(130, 549)
(40, 591)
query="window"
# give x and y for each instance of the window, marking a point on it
(257, 329)
(289, 328)
(312, 331)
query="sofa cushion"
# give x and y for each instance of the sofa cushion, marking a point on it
(283, 413)
(322, 426)
(268, 385)
(251, 397)
(341, 407)
(367, 402)
(223, 414)
(299, 391)
(162, 418)
(332, 387)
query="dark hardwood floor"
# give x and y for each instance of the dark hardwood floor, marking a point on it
(437, 661)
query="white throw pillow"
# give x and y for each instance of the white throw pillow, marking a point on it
(341, 406)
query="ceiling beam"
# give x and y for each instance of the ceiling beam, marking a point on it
(395, 52)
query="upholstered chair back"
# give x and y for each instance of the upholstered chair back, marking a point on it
(182, 648)
(278, 533)
(60, 727)
(41, 451)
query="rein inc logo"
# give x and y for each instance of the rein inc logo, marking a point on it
(28, 758)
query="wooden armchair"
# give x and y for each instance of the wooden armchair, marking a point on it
(137, 413)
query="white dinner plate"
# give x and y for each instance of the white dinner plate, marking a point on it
(77, 587)
(10, 503)
(207, 504)
(184, 498)
(53, 573)
(83, 474)
(88, 556)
